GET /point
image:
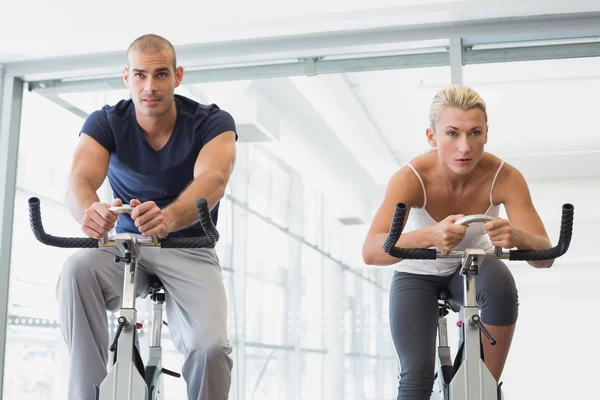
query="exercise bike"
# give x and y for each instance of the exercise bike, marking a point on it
(468, 378)
(128, 378)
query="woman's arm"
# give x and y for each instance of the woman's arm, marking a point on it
(405, 187)
(524, 228)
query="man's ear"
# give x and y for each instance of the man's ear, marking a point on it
(178, 75)
(126, 76)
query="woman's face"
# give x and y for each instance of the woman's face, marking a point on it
(459, 137)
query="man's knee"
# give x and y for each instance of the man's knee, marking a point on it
(209, 343)
(76, 268)
(79, 271)
(212, 354)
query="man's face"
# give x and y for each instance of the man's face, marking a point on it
(152, 80)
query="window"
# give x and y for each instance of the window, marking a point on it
(266, 284)
(312, 298)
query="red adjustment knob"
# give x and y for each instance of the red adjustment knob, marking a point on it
(139, 325)
(459, 323)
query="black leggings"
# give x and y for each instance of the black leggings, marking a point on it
(414, 318)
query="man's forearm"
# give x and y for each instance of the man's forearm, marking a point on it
(183, 212)
(80, 196)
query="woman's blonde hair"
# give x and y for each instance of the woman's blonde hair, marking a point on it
(458, 96)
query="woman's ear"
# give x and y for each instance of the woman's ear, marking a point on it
(431, 137)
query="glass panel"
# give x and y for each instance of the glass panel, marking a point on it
(332, 232)
(370, 321)
(387, 346)
(370, 379)
(267, 258)
(350, 379)
(266, 374)
(34, 354)
(350, 312)
(280, 194)
(259, 183)
(390, 379)
(312, 298)
(312, 376)
(312, 215)
(265, 305)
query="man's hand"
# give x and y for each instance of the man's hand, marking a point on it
(98, 220)
(502, 233)
(149, 219)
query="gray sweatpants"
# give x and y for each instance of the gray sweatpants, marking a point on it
(414, 318)
(196, 309)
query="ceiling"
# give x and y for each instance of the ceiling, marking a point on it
(39, 28)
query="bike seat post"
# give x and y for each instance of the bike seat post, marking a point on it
(470, 269)
(157, 320)
(130, 255)
(121, 381)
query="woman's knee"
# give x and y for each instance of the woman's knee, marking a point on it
(497, 294)
(416, 382)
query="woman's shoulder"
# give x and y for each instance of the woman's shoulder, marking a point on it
(407, 186)
(424, 163)
(496, 165)
(506, 177)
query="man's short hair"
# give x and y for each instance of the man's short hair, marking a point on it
(151, 43)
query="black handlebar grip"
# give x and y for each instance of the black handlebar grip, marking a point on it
(564, 240)
(35, 220)
(212, 235)
(206, 221)
(185, 242)
(413, 254)
(389, 245)
(396, 228)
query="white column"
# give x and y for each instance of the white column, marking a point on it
(11, 100)
(456, 61)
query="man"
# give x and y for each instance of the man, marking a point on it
(161, 152)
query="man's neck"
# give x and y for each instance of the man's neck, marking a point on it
(158, 126)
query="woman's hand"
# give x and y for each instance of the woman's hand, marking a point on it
(447, 234)
(502, 233)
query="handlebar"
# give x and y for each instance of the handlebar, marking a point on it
(564, 240)
(211, 238)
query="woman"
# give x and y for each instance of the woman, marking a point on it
(457, 178)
